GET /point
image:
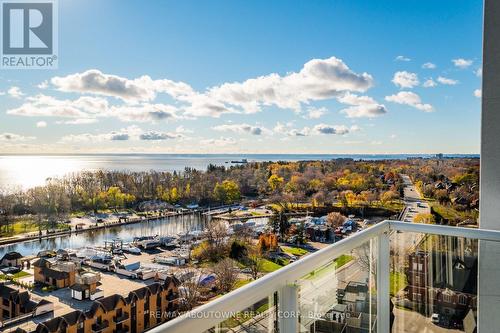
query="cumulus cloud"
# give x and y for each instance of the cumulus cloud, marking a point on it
(241, 129)
(155, 136)
(41, 124)
(365, 111)
(48, 106)
(330, 129)
(220, 142)
(404, 79)
(15, 92)
(411, 99)
(143, 113)
(361, 106)
(125, 134)
(479, 72)
(318, 79)
(79, 121)
(319, 129)
(429, 83)
(462, 63)
(288, 130)
(429, 65)
(11, 137)
(402, 58)
(133, 90)
(478, 93)
(315, 113)
(447, 81)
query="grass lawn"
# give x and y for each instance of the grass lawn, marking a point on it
(451, 214)
(337, 263)
(268, 266)
(241, 283)
(397, 281)
(296, 251)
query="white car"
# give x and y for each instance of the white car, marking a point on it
(435, 318)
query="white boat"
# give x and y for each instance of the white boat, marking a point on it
(131, 249)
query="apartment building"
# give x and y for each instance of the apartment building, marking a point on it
(15, 303)
(142, 309)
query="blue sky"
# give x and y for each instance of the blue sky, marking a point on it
(252, 77)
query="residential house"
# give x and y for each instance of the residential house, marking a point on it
(53, 272)
(12, 259)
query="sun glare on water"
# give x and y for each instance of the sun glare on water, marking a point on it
(29, 171)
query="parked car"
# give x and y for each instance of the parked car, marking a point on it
(435, 318)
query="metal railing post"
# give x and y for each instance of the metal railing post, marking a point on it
(383, 284)
(288, 309)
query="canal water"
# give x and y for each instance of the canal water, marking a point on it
(163, 227)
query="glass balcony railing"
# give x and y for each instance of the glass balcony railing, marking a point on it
(392, 277)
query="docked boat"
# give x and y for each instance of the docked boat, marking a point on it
(131, 249)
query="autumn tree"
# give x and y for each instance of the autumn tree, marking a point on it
(226, 275)
(227, 192)
(275, 182)
(255, 261)
(335, 219)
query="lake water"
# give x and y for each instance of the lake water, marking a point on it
(25, 171)
(163, 227)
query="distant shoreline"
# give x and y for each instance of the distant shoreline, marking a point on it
(303, 155)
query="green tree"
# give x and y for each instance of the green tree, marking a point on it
(227, 192)
(275, 182)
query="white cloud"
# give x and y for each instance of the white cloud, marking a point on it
(355, 128)
(182, 130)
(43, 85)
(11, 137)
(429, 83)
(479, 72)
(15, 92)
(402, 58)
(47, 106)
(318, 79)
(241, 129)
(78, 121)
(411, 99)
(125, 134)
(462, 63)
(155, 136)
(288, 130)
(220, 142)
(353, 99)
(393, 136)
(429, 65)
(447, 81)
(365, 111)
(319, 129)
(143, 113)
(404, 79)
(315, 113)
(362, 106)
(41, 124)
(141, 89)
(330, 129)
(478, 93)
